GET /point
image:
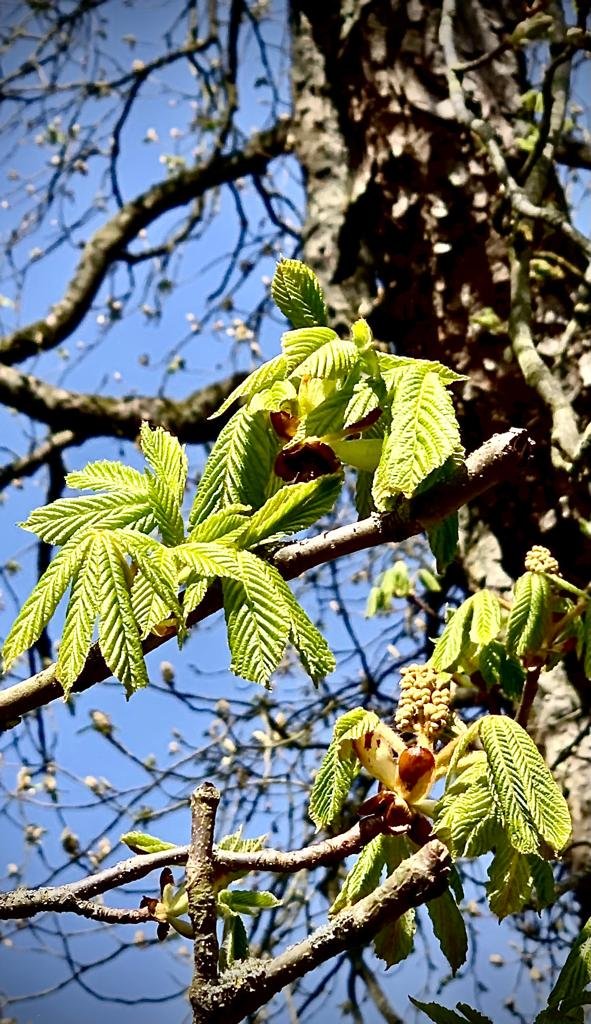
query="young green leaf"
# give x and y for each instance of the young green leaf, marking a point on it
(391, 367)
(363, 877)
(315, 654)
(575, 977)
(167, 458)
(529, 615)
(442, 1015)
(335, 358)
(533, 807)
(449, 929)
(234, 941)
(149, 608)
(80, 619)
(227, 525)
(259, 380)
(456, 633)
(44, 599)
(298, 345)
(297, 292)
(257, 620)
(142, 842)
(247, 901)
(59, 521)
(510, 881)
(107, 475)
(119, 637)
(466, 819)
(486, 617)
(394, 943)
(443, 541)
(238, 468)
(293, 508)
(367, 396)
(499, 668)
(424, 434)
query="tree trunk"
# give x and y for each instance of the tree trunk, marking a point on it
(407, 226)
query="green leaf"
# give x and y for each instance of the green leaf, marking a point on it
(257, 620)
(142, 842)
(543, 879)
(455, 635)
(236, 843)
(158, 565)
(80, 619)
(424, 434)
(247, 901)
(149, 608)
(238, 468)
(363, 877)
(106, 475)
(58, 522)
(510, 881)
(167, 458)
(335, 358)
(449, 929)
(227, 523)
(44, 599)
(167, 512)
(206, 560)
(297, 292)
(442, 1015)
(443, 541)
(529, 615)
(315, 654)
(466, 819)
(392, 366)
(363, 454)
(429, 581)
(367, 396)
(260, 379)
(499, 668)
(575, 976)
(486, 617)
(394, 943)
(339, 767)
(293, 508)
(234, 942)
(298, 345)
(533, 806)
(119, 637)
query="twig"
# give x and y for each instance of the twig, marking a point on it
(200, 886)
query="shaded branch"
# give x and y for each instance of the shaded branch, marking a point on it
(495, 461)
(91, 415)
(108, 244)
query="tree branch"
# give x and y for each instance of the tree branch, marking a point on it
(108, 244)
(26, 465)
(200, 885)
(495, 461)
(91, 415)
(251, 984)
(23, 903)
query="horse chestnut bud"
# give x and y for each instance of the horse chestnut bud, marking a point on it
(415, 770)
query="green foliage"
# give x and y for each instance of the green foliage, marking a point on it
(364, 876)
(443, 541)
(441, 1015)
(339, 766)
(529, 614)
(142, 842)
(449, 929)
(295, 289)
(570, 993)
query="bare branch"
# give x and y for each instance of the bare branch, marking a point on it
(29, 464)
(108, 244)
(91, 415)
(497, 460)
(201, 884)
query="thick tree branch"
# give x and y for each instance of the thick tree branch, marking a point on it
(103, 416)
(26, 465)
(22, 903)
(108, 244)
(243, 989)
(497, 460)
(201, 884)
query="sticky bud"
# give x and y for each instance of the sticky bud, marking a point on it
(415, 771)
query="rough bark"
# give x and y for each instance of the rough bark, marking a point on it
(407, 226)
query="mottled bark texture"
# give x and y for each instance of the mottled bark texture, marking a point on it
(407, 226)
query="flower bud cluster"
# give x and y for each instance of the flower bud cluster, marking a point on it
(539, 559)
(424, 705)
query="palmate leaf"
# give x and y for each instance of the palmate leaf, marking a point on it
(159, 569)
(449, 929)
(257, 620)
(80, 619)
(424, 434)
(363, 877)
(168, 460)
(293, 508)
(466, 819)
(532, 805)
(529, 615)
(149, 608)
(108, 475)
(226, 524)
(119, 637)
(238, 468)
(44, 599)
(62, 519)
(298, 345)
(297, 292)
(510, 882)
(259, 380)
(486, 617)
